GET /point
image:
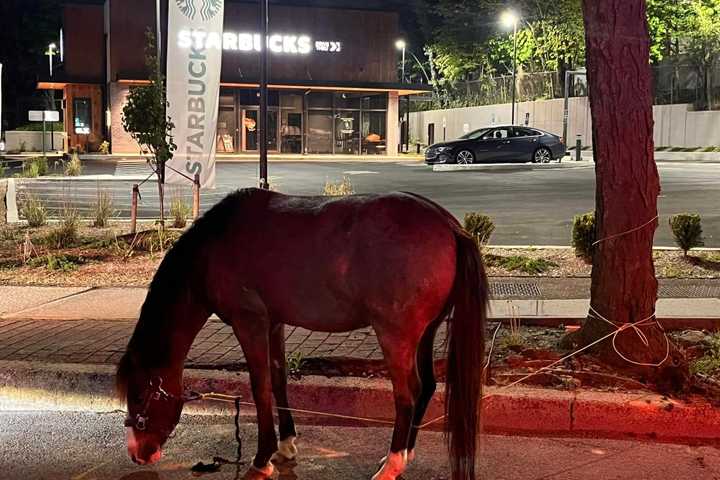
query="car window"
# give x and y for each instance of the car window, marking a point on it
(501, 133)
(523, 132)
(474, 134)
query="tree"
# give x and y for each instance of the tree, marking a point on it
(703, 41)
(624, 288)
(145, 119)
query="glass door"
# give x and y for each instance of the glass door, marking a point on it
(250, 132)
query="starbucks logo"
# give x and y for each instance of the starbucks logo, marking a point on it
(206, 8)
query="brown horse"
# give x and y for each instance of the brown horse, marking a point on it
(259, 260)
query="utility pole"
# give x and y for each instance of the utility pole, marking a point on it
(262, 120)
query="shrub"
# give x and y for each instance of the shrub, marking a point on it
(583, 235)
(104, 148)
(709, 364)
(34, 211)
(102, 210)
(62, 263)
(74, 166)
(687, 230)
(65, 234)
(180, 211)
(338, 189)
(480, 227)
(35, 167)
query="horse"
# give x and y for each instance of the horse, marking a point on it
(260, 260)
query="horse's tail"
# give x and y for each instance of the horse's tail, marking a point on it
(466, 346)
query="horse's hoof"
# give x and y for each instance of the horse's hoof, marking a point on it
(287, 450)
(393, 466)
(264, 473)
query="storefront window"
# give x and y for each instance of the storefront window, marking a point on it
(375, 102)
(319, 100)
(347, 101)
(227, 125)
(291, 125)
(319, 131)
(347, 132)
(374, 133)
(82, 116)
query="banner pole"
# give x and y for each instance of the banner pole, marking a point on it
(262, 120)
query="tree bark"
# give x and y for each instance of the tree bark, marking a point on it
(624, 288)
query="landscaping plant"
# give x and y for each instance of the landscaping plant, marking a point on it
(709, 364)
(338, 189)
(104, 148)
(65, 233)
(35, 167)
(34, 211)
(74, 166)
(103, 209)
(480, 227)
(687, 231)
(180, 211)
(583, 235)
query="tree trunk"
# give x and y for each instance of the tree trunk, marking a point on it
(624, 288)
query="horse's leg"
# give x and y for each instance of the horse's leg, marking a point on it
(427, 380)
(253, 333)
(401, 358)
(286, 445)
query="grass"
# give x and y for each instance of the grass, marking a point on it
(74, 166)
(102, 210)
(34, 211)
(35, 167)
(520, 263)
(709, 364)
(65, 234)
(180, 211)
(57, 263)
(294, 364)
(338, 189)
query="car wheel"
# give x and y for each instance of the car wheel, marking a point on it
(542, 155)
(465, 157)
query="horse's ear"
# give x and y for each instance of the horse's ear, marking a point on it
(121, 377)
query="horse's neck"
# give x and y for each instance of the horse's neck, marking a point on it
(166, 331)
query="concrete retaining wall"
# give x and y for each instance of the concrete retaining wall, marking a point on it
(675, 125)
(33, 141)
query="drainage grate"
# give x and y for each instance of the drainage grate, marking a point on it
(689, 291)
(500, 289)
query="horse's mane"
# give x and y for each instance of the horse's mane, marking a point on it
(175, 274)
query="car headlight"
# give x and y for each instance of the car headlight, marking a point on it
(443, 149)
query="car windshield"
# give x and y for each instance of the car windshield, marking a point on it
(475, 134)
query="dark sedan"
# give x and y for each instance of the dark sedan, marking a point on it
(501, 144)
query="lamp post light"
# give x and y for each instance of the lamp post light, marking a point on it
(510, 19)
(400, 45)
(51, 53)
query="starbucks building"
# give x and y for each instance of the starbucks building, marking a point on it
(333, 76)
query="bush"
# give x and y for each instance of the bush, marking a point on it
(180, 211)
(530, 266)
(102, 210)
(104, 148)
(338, 189)
(34, 211)
(35, 167)
(65, 234)
(74, 166)
(583, 235)
(687, 230)
(480, 227)
(62, 263)
(709, 364)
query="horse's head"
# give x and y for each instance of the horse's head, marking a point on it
(154, 406)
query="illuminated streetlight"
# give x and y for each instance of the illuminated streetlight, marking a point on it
(51, 53)
(400, 45)
(510, 19)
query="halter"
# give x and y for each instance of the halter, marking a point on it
(155, 393)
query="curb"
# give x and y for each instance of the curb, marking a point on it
(526, 411)
(508, 167)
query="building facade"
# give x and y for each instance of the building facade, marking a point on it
(333, 76)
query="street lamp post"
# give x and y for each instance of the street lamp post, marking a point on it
(405, 142)
(51, 52)
(510, 19)
(262, 114)
(2, 144)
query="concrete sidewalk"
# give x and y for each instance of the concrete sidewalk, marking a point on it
(93, 325)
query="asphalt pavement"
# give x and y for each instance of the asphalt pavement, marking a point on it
(82, 446)
(533, 207)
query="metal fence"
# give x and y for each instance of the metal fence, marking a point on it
(672, 83)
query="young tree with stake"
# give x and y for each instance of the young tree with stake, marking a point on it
(144, 117)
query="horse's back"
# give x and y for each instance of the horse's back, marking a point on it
(347, 258)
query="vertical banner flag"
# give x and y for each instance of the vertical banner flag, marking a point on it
(194, 59)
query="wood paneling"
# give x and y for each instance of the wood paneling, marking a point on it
(84, 35)
(91, 142)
